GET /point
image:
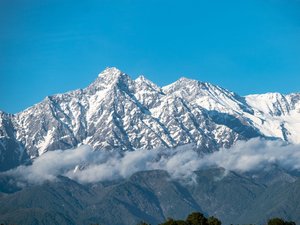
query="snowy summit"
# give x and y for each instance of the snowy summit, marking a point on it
(117, 112)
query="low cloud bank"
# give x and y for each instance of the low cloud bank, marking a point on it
(88, 166)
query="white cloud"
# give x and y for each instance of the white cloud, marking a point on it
(256, 154)
(96, 166)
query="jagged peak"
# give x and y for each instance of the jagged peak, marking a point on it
(294, 94)
(141, 80)
(275, 96)
(109, 77)
(111, 72)
(183, 82)
(185, 79)
(269, 96)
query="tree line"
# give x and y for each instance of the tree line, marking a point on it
(197, 218)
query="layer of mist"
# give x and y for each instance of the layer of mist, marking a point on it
(85, 165)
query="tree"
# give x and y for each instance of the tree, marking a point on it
(276, 221)
(290, 223)
(196, 218)
(213, 221)
(143, 223)
(170, 221)
(279, 221)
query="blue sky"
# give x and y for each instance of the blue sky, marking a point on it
(53, 46)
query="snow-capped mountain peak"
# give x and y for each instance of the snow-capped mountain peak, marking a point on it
(142, 83)
(117, 112)
(141, 79)
(111, 72)
(112, 76)
(275, 104)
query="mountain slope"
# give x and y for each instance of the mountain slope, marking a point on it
(12, 151)
(153, 197)
(117, 112)
(277, 115)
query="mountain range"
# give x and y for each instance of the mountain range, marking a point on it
(117, 112)
(152, 196)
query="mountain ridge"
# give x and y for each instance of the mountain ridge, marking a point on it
(152, 196)
(117, 112)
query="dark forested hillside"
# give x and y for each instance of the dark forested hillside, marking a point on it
(152, 196)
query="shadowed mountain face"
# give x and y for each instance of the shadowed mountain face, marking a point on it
(117, 112)
(153, 196)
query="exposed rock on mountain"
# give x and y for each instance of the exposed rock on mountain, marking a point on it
(117, 112)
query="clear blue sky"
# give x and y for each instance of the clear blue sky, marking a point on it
(52, 46)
